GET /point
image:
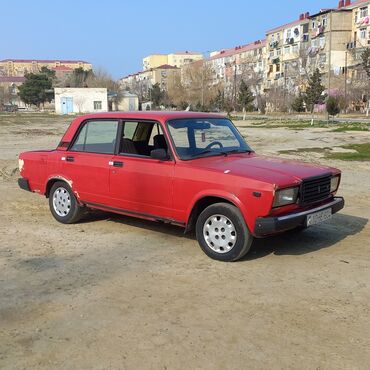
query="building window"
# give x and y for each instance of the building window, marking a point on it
(271, 54)
(277, 67)
(295, 48)
(289, 34)
(322, 41)
(313, 24)
(363, 33)
(271, 68)
(322, 58)
(324, 21)
(97, 105)
(364, 12)
(278, 52)
(287, 50)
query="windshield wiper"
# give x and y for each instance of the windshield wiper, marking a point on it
(201, 154)
(226, 153)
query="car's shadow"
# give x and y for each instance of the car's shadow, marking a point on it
(310, 240)
(289, 243)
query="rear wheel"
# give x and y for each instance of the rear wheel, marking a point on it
(222, 233)
(63, 203)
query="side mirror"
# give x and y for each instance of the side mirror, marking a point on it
(160, 154)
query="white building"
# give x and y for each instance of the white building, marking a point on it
(128, 102)
(80, 100)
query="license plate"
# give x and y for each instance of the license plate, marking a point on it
(318, 217)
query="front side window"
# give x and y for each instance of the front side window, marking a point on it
(96, 137)
(363, 33)
(364, 12)
(195, 138)
(140, 138)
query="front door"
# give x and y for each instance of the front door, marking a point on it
(138, 183)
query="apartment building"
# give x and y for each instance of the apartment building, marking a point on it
(331, 40)
(140, 82)
(360, 35)
(178, 59)
(284, 48)
(19, 67)
(229, 65)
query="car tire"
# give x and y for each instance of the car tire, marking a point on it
(222, 233)
(63, 203)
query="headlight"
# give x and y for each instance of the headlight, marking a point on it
(285, 196)
(334, 183)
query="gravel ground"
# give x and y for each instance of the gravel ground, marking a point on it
(114, 292)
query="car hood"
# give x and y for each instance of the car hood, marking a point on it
(277, 171)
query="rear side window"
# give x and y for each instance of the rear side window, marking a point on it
(97, 137)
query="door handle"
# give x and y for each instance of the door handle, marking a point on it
(70, 159)
(117, 164)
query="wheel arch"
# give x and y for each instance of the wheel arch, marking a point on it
(205, 201)
(52, 180)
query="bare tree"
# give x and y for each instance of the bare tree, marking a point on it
(100, 78)
(254, 78)
(195, 86)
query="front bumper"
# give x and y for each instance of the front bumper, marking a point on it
(273, 225)
(23, 184)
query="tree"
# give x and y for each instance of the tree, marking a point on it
(100, 78)
(156, 95)
(79, 77)
(314, 92)
(36, 90)
(195, 84)
(48, 72)
(245, 97)
(332, 106)
(365, 56)
(298, 104)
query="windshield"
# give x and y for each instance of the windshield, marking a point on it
(195, 138)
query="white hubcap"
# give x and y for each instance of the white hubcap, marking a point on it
(219, 233)
(61, 202)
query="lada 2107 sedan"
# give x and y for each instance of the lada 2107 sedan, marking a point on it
(194, 170)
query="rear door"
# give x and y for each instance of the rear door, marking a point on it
(86, 162)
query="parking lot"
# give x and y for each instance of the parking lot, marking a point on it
(114, 292)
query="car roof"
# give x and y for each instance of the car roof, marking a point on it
(153, 115)
(161, 116)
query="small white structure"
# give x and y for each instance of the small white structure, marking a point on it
(128, 102)
(80, 100)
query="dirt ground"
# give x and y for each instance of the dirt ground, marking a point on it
(114, 292)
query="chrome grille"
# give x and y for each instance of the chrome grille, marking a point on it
(315, 189)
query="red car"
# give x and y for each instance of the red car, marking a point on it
(188, 169)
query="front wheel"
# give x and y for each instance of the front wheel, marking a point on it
(222, 233)
(63, 203)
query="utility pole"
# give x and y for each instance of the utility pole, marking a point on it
(345, 80)
(330, 38)
(234, 87)
(202, 86)
(285, 80)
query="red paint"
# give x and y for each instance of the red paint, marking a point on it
(167, 190)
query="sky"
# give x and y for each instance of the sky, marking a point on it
(115, 35)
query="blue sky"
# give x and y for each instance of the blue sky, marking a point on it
(115, 35)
